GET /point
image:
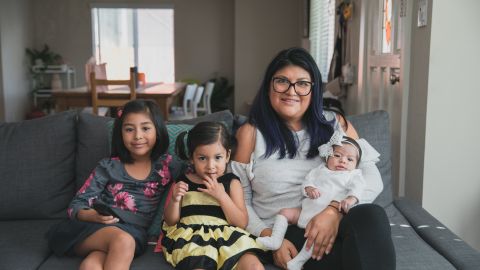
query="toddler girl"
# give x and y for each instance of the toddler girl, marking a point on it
(337, 180)
(110, 213)
(204, 220)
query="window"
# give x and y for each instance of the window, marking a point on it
(141, 37)
(322, 33)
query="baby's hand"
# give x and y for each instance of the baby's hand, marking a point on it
(312, 192)
(213, 188)
(347, 203)
(179, 191)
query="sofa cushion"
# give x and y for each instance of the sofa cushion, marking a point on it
(93, 134)
(412, 252)
(374, 127)
(37, 166)
(225, 117)
(23, 245)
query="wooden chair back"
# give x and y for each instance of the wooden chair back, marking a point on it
(111, 102)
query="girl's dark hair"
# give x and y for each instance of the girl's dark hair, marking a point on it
(203, 133)
(278, 137)
(140, 106)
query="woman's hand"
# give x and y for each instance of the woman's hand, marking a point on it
(322, 231)
(213, 188)
(91, 215)
(285, 253)
(179, 191)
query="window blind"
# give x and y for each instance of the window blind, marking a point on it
(322, 33)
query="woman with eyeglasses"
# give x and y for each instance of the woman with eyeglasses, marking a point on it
(279, 146)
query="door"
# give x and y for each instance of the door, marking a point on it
(383, 71)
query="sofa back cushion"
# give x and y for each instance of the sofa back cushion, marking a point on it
(375, 128)
(37, 159)
(93, 133)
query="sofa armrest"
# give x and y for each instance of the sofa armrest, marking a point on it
(439, 237)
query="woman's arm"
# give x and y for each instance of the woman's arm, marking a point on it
(347, 127)
(246, 145)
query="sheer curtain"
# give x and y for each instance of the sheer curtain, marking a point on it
(142, 37)
(322, 33)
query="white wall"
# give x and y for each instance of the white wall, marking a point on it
(451, 185)
(15, 36)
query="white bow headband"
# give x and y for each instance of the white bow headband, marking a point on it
(338, 138)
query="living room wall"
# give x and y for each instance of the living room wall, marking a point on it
(262, 29)
(15, 29)
(203, 34)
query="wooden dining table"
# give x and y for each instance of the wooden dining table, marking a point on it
(80, 97)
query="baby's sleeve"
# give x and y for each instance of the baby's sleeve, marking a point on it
(356, 185)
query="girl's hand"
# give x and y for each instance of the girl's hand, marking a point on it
(346, 204)
(285, 253)
(322, 231)
(213, 188)
(179, 191)
(91, 215)
(312, 192)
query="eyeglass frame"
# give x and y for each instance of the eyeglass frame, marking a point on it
(290, 85)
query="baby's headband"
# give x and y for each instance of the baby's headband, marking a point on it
(338, 138)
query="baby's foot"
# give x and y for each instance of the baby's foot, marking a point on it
(294, 264)
(269, 242)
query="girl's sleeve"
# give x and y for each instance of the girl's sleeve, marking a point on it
(93, 187)
(245, 174)
(373, 179)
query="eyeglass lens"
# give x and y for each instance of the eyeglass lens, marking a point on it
(302, 88)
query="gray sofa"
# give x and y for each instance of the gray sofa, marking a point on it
(44, 161)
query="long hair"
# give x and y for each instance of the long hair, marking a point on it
(278, 137)
(140, 106)
(203, 133)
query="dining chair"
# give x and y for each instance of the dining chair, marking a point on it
(186, 110)
(97, 101)
(196, 100)
(207, 97)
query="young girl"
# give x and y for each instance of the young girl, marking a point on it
(204, 220)
(110, 214)
(337, 180)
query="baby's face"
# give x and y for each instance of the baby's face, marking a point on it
(344, 158)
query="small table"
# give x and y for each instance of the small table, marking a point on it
(162, 93)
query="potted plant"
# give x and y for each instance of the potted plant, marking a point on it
(44, 57)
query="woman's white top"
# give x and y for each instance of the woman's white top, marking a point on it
(271, 184)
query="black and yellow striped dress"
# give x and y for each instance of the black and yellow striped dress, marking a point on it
(203, 238)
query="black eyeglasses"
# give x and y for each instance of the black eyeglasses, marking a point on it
(282, 85)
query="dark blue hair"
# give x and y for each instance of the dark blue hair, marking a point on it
(278, 137)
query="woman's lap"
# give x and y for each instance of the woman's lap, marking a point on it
(363, 241)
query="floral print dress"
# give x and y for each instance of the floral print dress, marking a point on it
(134, 201)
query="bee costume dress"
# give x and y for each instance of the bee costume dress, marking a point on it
(203, 238)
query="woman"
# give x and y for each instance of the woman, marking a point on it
(279, 146)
